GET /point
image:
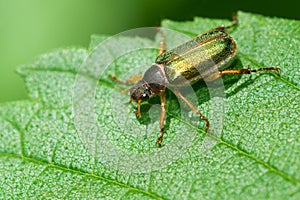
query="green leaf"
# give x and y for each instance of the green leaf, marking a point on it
(45, 154)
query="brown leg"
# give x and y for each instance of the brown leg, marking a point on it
(127, 82)
(163, 45)
(217, 75)
(248, 71)
(162, 117)
(196, 110)
(235, 22)
(138, 110)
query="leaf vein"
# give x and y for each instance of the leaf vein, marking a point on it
(86, 174)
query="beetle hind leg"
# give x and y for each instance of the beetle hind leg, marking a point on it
(214, 76)
(247, 70)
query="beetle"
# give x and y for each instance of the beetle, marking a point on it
(204, 57)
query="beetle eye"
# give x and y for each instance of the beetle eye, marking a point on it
(144, 96)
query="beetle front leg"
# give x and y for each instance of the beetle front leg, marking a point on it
(162, 117)
(129, 81)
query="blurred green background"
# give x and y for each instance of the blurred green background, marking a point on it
(31, 27)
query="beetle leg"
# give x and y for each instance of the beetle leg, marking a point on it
(234, 23)
(196, 110)
(162, 117)
(138, 110)
(247, 71)
(217, 75)
(162, 44)
(129, 81)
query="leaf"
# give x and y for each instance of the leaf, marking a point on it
(45, 154)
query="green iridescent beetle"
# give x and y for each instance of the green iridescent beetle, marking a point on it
(204, 57)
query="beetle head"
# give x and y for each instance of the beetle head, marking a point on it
(141, 91)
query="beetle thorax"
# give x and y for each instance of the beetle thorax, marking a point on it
(153, 82)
